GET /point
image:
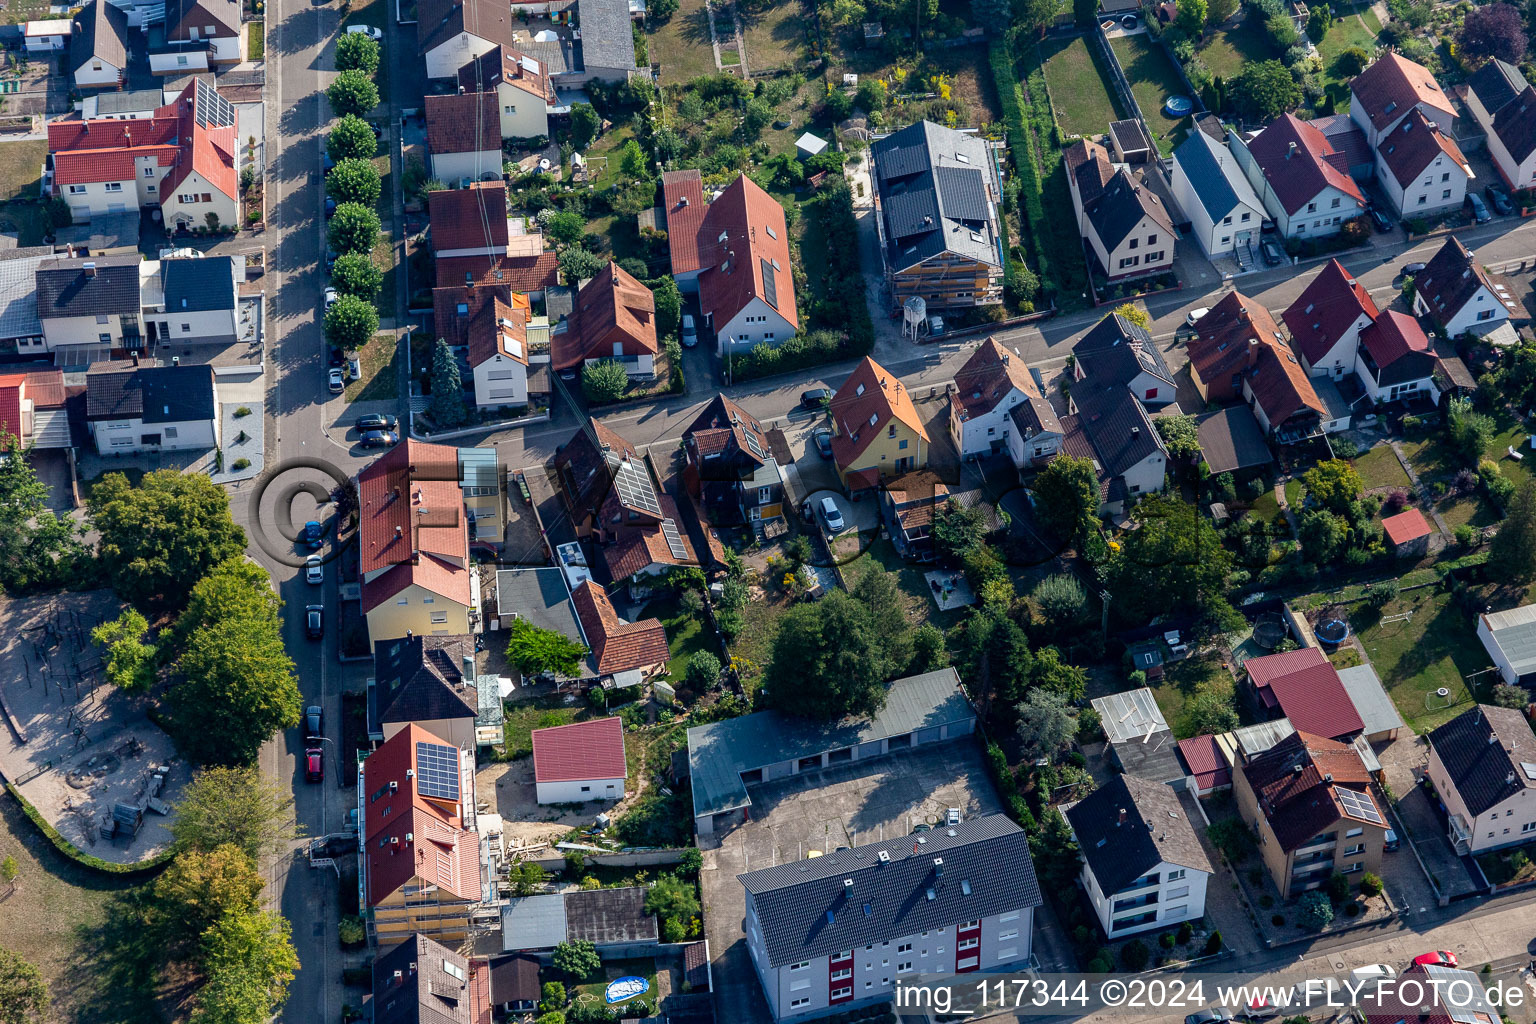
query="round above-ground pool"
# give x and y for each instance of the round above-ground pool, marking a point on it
(1178, 106)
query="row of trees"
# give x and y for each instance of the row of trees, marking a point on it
(354, 185)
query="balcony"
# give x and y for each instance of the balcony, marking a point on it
(1147, 900)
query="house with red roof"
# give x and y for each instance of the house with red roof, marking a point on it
(1460, 295)
(32, 408)
(1226, 343)
(876, 430)
(1303, 686)
(1408, 532)
(181, 160)
(1326, 319)
(1301, 177)
(583, 761)
(469, 221)
(497, 339)
(734, 253)
(1392, 88)
(413, 544)
(522, 87)
(614, 318)
(420, 865)
(463, 136)
(1421, 168)
(991, 384)
(1284, 402)
(196, 35)
(630, 652)
(1206, 764)
(1396, 361)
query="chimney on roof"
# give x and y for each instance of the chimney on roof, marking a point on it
(461, 90)
(1135, 432)
(1122, 817)
(1492, 739)
(1297, 769)
(89, 269)
(1290, 150)
(1253, 352)
(1509, 778)
(938, 868)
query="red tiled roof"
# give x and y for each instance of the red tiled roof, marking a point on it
(620, 646)
(1280, 386)
(869, 399)
(499, 329)
(442, 851)
(467, 122)
(429, 572)
(1203, 756)
(987, 377)
(1406, 526)
(517, 273)
(683, 198)
(613, 311)
(46, 388)
(1298, 176)
(638, 547)
(1300, 804)
(503, 64)
(1393, 85)
(1414, 145)
(755, 246)
(469, 218)
(1089, 168)
(1326, 309)
(722, 424)
(1307, 689)
(580, 751)
(1394, 335)
(1219, 348)
(12, 385)
(410, 503)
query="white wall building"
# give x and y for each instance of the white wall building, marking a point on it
(152, 408)
(1225, 213)
(1483, 766)
(581, 762)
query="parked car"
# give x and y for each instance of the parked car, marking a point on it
(1260, 1008)
(377, 421)
(314, 765)
(334, 381)
(330, 207)
(314, 569)
(1210, 1015)
(378, 439)
(314, 715)
(314, 628)
(1440, 957)
(832, 515)
(823, 439)
(354, 366)
(331, 295)
(1383, 224)
(1372, 972)
(921, 826)
(1414, 268)
(366, 30)
(330, 259)
(1499, 200)
(1479, 209)
(335, 358)
(313, 535)
(1196, 314)
(1390, 842)
(1273, 254)
(815, 398)
(690, 333)
(326, 163)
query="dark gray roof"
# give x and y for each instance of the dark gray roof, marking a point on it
(933, 194)
(1481, 749)
(606, 916)
(198, 285)
(1115, 212)
(1035, 416)
(1214, 175)
(424, 993)
(155, 394)
(100, 32)
(1231, 439)
(806, 910)
(1155, 830)
(542, 597)
(719, 752)
(1115, 350)
(1496, 83)
(1130, 136)
(514, 979)
(1117, 426)
(421, 679)
(129, 101)
(64, 289)
(606, 38)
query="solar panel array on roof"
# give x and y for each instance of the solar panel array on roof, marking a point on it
(635, 488)
(437, 771)
(752, 443)
(674, 539)
(770, 284)
(211, 109)
(911, 213)
(1359, 805)
(965, 193)
(900, 161)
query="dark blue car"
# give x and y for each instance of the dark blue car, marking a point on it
(312, 535)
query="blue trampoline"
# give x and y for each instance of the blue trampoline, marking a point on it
(1178, 106)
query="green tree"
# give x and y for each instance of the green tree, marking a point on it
(236, 689)
(249, 961)
(351, 139)
(1324, 536)
(161, 537)
(1211, 713)
(1068, 492)
(1512, 552)
(576, 958)
(551, 997)
(196, 892)
(1174, 559)
(584, 126)
(356, 274)
(880, 593)
(1315, 911)
(1265, 90)
(1061, 599)
(1338, 887)
(9, 869)
(1319, 23)
(1353, 60)
(1470, 433)
(1192, 14)
(353, 228)
(825, 662)
(37, 547)
(1507, 696)
(356, 52)
(577, 264)
(632, 160)
(528, 878)
(536, 651)
(1049, 672)
(992, 655)
(236, 588)
(130, 662)
(1219, 11)
(448, 408)
(240, 807)
(669, 306)
(352, 92)
(604, 380)
(873, 92)
(23, 992)
(351, 323)
(957, 529)
(1046, 722)
(1179, 437)
(928, 651)
(354, 180)
(566, 227)
(702, 671)
(1135, 314)
(1334, 484)
(675, 902)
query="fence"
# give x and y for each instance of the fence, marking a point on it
(638, 859)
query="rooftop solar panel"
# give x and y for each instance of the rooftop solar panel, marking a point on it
(752, 442)
(963, 192)
(437, 771)
(674, 539)
(635, 489)
(899, 161)
(211, 109)
(770, 284)
(1359, 805)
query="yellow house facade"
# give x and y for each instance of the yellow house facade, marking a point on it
(877, 432)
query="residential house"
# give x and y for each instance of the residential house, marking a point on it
(497, 338)
(420, 864)
(614, 319)
(1143, 865)
(1089, 171)
(542, 597)
(466, 283)
(469, 221)
(606, 45)
(182, 160)
(1129, 230)
(1451, 995)
(1224, 212)
(480, 481)
(515, 984)
(1483, 767)
(419, 981)
(938, 198)
(1503, 104)
(1421, 168)
(1408, 533)
(1226, 343)
(1326, 319)
(98, 47)
(1231, 441)
(32, 408)
(413, 545)
(193, 300)
(1395, 362)
(876, 431)
(1510, 639)
(1459, 295)
(133, 408)
(1283, 399)
(197, 35)
(1384, 94)
(451, 33)
(19, 321)
(908, 506)
(1302, 178)
(426, 680)
(585, 467)
(1112, 429)
(46, 36)
(852, 924)
(992, 381)
(1303, 687)
(88, 308)
(524, 92)
(582, 761)
(1122, 354)
(1035, 434)
(630, 652)
(735, 254)
(731, 467)
(462, 136)
(1139, 740)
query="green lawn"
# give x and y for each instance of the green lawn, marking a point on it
(1295, 494)
(1347, 31)
(522, 717)
(1379, 468)
(920, 608)
(1079, 91)
(774, 34)
(256, 41)
(1153, 79)
(681, 44)
(750, 651)
(21, 169)
(380, 380)
(1434, 461)
(685, 633)
(1435, 647)
(612, 970)
(1182, 681)
(1265, 506)
(1228, 48)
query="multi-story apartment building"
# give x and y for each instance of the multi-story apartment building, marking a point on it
(1483, 766)
(841, 930)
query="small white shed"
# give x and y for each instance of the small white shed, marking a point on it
(808, 145)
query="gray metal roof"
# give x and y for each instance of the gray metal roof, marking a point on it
(1213, 173)
(606, 38)
(807, 908)
(1132, 714)
(933, 194)
(718, 753)
(477, 468)
(130, 102)
(1376, 709)
(1253, 740)
(533, 922)
(490, 711)
(1514, 632)
(198, 284)
(606, 916)
(542, 597)
(18, 299)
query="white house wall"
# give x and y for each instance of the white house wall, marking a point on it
(97, 74)
(1466, 318)
(128, 435)
(523, 115)
(755, 324)
(445, 59)
(579, 791)
(500, 381)
(1426, 194)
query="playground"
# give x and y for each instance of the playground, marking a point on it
(79, 750)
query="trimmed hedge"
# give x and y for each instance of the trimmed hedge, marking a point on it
(74, 853)
(1011, 95)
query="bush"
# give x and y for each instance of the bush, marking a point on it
(1213, 944)
(1166, 940)
(1134, 955)
(703, 671)
(577, 959)
(1467, 535)
(604, 380)
(351, 931)
(1338, 887)
(1315, 911)
(1186, 932)
(240, 464)
(552, 996)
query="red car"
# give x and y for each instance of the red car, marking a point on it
(314, 765)
(1440, 957)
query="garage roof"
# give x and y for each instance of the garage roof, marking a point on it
(718, 753)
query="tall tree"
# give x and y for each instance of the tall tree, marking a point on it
(584, 125)
(448, 407)
(535, 651)
(161, 537)
(234, 589)
(825, 661)
(352, 92)
(23, 992)
(1046, 722)
(669, 306)
(37, 547)
(1173, 561)
(957, 529)
(992, 655)
(351, 138)
(1061, 599)
(1492, 31)
(352, 322)
(1265, 90)
(355, 273)
(236, 689)
(354, 180)
(1219, 11)
(353, 228)
(356, 52)
(130, 662)
(1192, 15)
(241, 807)
(249, 961)
(1335, 484)
(196, 891)
(1068, 489)
(892, 633)
(1512, 554)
